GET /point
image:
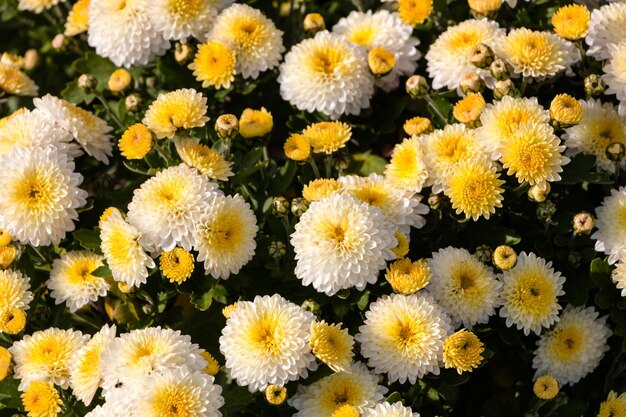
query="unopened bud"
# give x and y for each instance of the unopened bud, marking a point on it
(341, 161)
(416, 86)
(31, 59)
(280, 207)
(87, 82)
(483, 253)
(227, 126)
(277, 249)
(311, 306)
(58, 42)
(471, 83)
(615, 151)
(545, 211)
(381, 61)
(481, 56)
(8, 254)
(119, 81)
(435, 201)
(583, 223)
(504, 257)
(313, 23)
(538, 194)
(503, 88)
(484, 8)
(183, 53)
(133, 102)
(594, 85)
(500, 69)
(299, 206)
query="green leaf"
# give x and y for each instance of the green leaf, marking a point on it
(9, 395)
(394, 397)
(363, 301)
(202, 301)
(573, 408)
(103, 271)
(366, 163)
(88, 239)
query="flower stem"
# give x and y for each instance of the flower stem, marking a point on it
(436, 108)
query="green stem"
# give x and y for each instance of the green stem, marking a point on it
(161, 152)
(523, 87)
(436, 108)
(316, 171)
(109, 112)
(328, 164)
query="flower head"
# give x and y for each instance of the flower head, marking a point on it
(571, 21)
(615, 72)
(319, 188)
(468, 109)
(78, 18)
(275, 395)
(408, 277)
(12, 320)
(214, 64)
(36, 6)
(546, 387)
(614, 406)
(607, 26)
(463, 351)
(14, 81)
(297, 147)
(327, 137)
(417, 126)
(255, 123)
(206, 160)
(407, 169)
(41, 399)
(177, 265)
(180, 109)
(181, 19)
(566, 110)
(332, 345)
(136, 142)
(611, 219)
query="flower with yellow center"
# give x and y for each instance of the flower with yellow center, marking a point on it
(255, 123)
(414, 12)
(297, 147)
(463, 351)
(571, 22)
(119, 81)
(403, 245)
(78, 18)
(214, 64)
(417, 126)
(6, 363)
(407, 169)
(41, 399)
(408, 277)
(469, 108)
(534, 155)
(5, 238)
(504, 257)
(530, 294)
(566, 110)
(614, 406)
(546, 387)
(12, 321)
(14, 81)
(487, 8)
(229, 309)
(176, 265)
(475, 189)
(108, 212)
(212, 365)
(574, 347)
(7, 256)
(332, 345)
(319, 188)
(206, 160)
(327, 137)
(14, 290)
(381, 61)
(180, 109)
(136, 142)
(275, 394)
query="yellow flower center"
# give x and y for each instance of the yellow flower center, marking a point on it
(362, 35)
(224, 233)
(567, 343)
(341, 391)
(267, 334)
(184, 9)
(533, 294)
(175, 401)
(35, 192)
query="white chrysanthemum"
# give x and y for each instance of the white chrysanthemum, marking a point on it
(40, 197)
(615, 71)
(258, 44)
(390, 410)
(611, 223)
(401, 209)
(46, 356)
(224, 235)
(464, 287)
(125, 257)
(607, 26)
(166, 208)
(181, 19)
(179, 392)
(530, 292)
(71, 281)
(14, 290)
(449, 56)
(134, 356)
(383, 30)
(357, 386)
(407, 168)
(403, 336)
(86, 365)
(37, 6)
(327, 74)
(619, 275)
(573, 347)
(500, 120)
(266, 341)
(90, 131)
(25, 129)
(341, 242)
(122, 31)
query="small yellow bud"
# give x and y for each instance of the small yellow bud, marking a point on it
(255, 123)
(275, 394)
(314, 22)
(227, 126)
(381, 61)
(546, 387)
(119, 81)
(504, 257)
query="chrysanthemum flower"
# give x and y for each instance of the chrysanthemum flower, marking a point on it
(14, 290)
(41, 399)
(615, 71)
(266, 341)
(607, 26)
(214, 64)
(78, 18)
(530, 294)
(533, 153)
(408, 277)
(611, 223)
(449, 56)
(255, 123)
(12, 321)
(14, 81)
(488, 8)
(571, 22)
(402, 248)
(46, 355)
(136, 142)
(37, 6)
(383, 30)
(224, 235)
(574, 346)
(417, 126)
(275, 395)
(258, 44)
(566, 110)
(125, 257)
(618, 276)
(297, 147)
(463, 286)
(71, 281)
(122, 31)
(166, 208)
(340, 243)
(469, 108)
(206, 160)
(182, 19)
(5, 238)
(332, 345)
(41, 195)
(407, 169)
(385, 409)
(16, 61)
(355, 387)
(614, 406)
(179, 109)
(328, 137)
(504, 257)
(403, 336)
(546, 387)
(536, 54)
(327, 73)
(463, 351)
(86, 365)
(600, 126)
(320, 188)
(177, 265)
(90, 131)
(381, 61)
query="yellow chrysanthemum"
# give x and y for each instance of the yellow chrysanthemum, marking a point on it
(214, 64)
(485, 7)
(546, 387)
(571, 21)
(119, 81)
(403, 245)
(320, 188)
(206, 160)
(469, 108)
(332, 345)
(180, 109)
(177, 265)
(614, 406)
(414, 12)
(12, 321)
(297, 147)
(212, 365)
(5, 238)
(275, 394)
(7, 256)
(474, 189)
(229, 309)
(328, 137)
(463, 351)
(136, 142)
(6, 363)
(41, 399)
(14, 81)
(78, 18)
(566, 110)
(408, 277)
(417, 126)
(381, 61)
(255, 123)
(504, 257)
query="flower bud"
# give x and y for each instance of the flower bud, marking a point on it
(417, 126)
(341, 161)
(275, 394)
(255, 123)
(227, 126)
(538, 194)
(594, 85)
(183, 53)
(504, 257)
(416, 86)
(87, 82)
(545, 211)
(299, 206)
(119, 81)
(311, 305)
(566, 111)
(381, 61)
(58, 42)
(504, 88)
(615, 151)
(277, 249)
(471, 83)
(31, 59)
(484, 8)
(481, 56)
(546, 387)
(500, 69)
(435, 201)
(483, 253)
(133, 102)
(313, 23)
(280, 207)
(583, 223)
(6, 363)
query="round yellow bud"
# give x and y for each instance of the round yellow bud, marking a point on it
(297, 147)
(12, 321)
(119, 81)
(381, 61)
(255, 123)
(6, 363)
(571, 22)
(275, 394)
(136, 142)
(314, 22)
(5, 238)
(546, 387)
(504, 257)
(417, 126)
(469, 108)
(566, 110)
(7, 256)
(227, 126)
